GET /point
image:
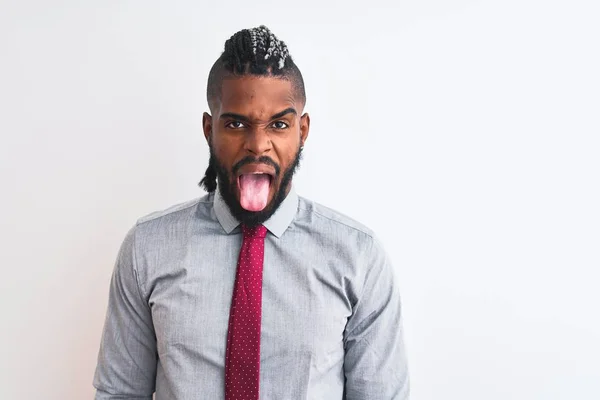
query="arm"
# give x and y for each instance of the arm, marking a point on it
(127, 358)
(375, 363)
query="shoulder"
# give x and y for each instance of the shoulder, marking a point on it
(173, 211)
(357, 250)
(174, 218)
(328, 218)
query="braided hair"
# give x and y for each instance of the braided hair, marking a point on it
(258, 52)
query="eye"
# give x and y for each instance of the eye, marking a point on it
(234, 125)
(280, 125)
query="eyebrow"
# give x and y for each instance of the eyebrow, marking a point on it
(240, 117)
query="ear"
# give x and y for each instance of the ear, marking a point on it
(304, 128)
(207, 126)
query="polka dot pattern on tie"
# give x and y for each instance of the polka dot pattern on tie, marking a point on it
(242, 357)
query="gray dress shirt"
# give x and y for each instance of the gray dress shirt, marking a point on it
(331, 319)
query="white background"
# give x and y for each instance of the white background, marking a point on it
(465, 133)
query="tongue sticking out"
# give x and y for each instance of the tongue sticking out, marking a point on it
(254, 191)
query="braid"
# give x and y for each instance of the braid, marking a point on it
(209, 182)
(256, 51)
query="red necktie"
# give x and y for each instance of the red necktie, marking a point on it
(242, 359)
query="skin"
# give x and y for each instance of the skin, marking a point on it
(256, 117)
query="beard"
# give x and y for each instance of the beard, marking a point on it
(227, 183)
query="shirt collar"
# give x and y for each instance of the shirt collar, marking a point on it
(277, 224)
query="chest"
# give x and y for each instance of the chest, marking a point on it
(305, 304)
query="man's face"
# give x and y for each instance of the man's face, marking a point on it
(255, 135)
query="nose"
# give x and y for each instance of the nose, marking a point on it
(258, 141)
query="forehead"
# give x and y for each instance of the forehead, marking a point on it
(254, 95)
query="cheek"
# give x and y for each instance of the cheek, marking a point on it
(287, 149)
(225, 150)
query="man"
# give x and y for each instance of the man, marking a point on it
(252, 291)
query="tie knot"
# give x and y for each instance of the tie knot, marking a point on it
(251, 232)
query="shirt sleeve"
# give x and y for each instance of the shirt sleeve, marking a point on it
(375, 364)
(127, 358)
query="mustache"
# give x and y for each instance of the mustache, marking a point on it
(260, 160)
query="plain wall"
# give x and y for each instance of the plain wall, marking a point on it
(465, 133)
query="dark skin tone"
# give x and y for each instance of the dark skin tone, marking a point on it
(254, 117)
